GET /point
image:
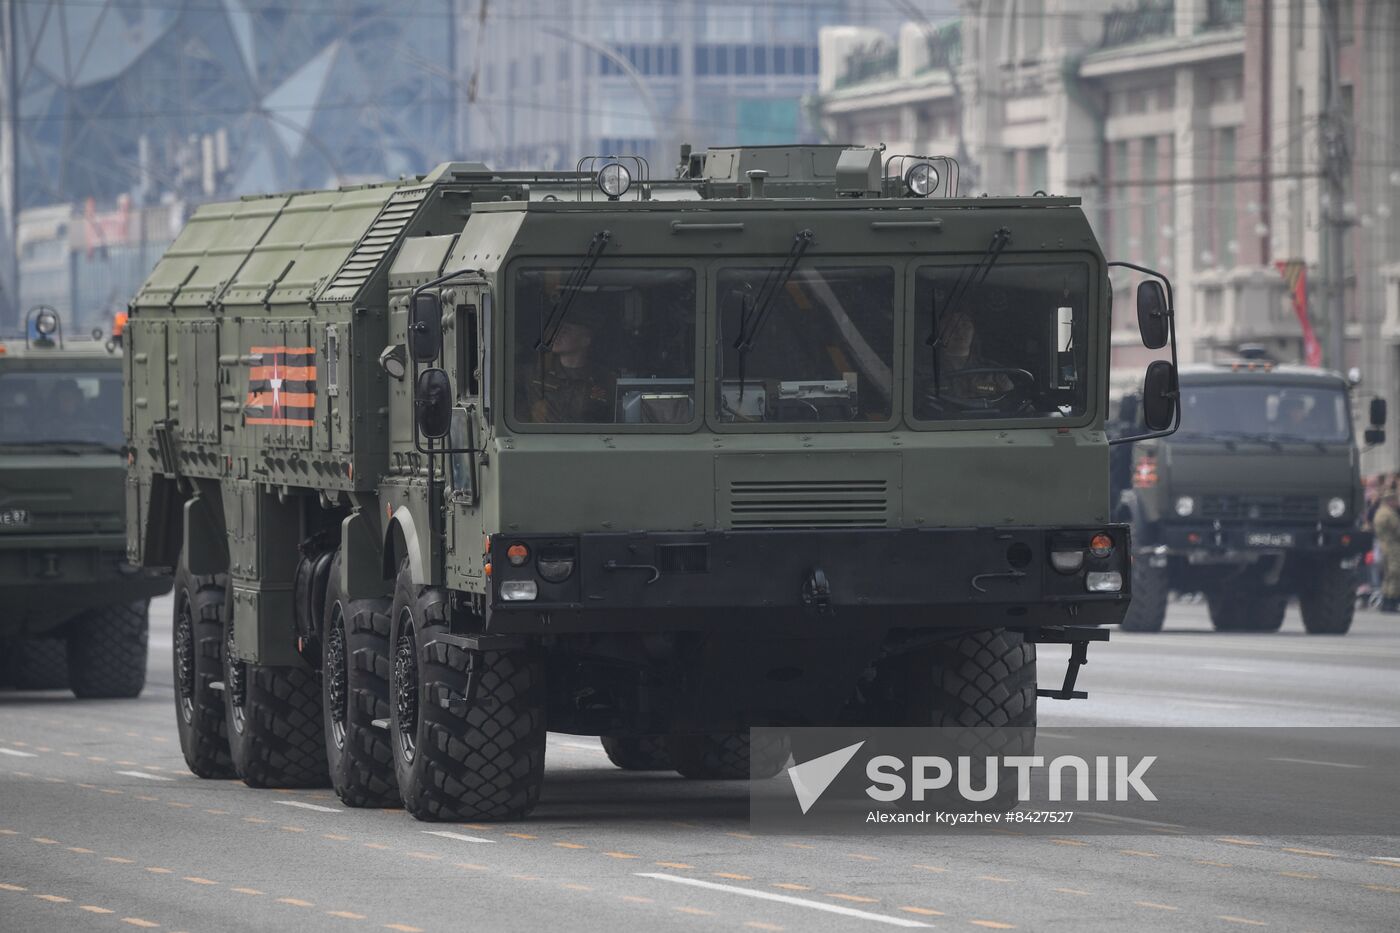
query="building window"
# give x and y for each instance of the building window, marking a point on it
(1038, 170)
(1150, 193)
(1223, 198)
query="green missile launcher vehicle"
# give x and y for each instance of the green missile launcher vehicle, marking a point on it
(73, 611)
(795, 437)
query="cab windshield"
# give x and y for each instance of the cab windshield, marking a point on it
(624, 353)
(1270, 413)
(61, 407)
(820, 348)
(1002, 340)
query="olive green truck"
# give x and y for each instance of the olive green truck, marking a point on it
(73, 611)
(795, 437)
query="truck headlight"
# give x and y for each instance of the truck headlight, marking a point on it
(1067, 561)
(1108, 582)
(614, 179)
(1336, 506)
(1185, 505)
(513, 591)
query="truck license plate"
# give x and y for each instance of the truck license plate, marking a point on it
(14, 518)
(1269, 539)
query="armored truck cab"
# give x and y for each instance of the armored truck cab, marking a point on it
(1256, 499)
(73, 611)
(796, 437)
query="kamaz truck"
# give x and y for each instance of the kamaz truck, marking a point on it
(73, 611)
(1255, 500)
(795, 437)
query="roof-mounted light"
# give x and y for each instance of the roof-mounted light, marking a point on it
(614, 179)
(921, 179)
(46, 322)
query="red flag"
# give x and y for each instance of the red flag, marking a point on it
(1295, 273)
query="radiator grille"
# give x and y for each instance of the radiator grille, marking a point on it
(1260, 508)
(832, 503)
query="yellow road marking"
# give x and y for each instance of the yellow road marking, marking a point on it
(620, 855)
(212, 812)
(1238, 842)
(526, 877)
(80, 850)
(1245, 920)
(1385, 862)
(5, 886)
(292, 829)
(742, 835)
(138, 922)
(577, 887)
(863, 858)
(798, 845)
(1155, 906)
(9, 832)
(470, 866)
(760, 925)
(345, 915)
(931, 868)
(195, 879)
(731, 876)
(1139, 853)
(161, 871)
(480, 826)
(674, 865)
(425, 856)
(150, 799)
(1068, 842)
(402, 928)
(634, 899)
(44, 840)
(856, 898)
(295, 902)
(111, 790)
(179, 806)
(1073, 891)
(54, 898)
(696, 911)
(1299, 874)
(93, 787)
(69, 754)
(54, 780)
(375, 845)
(252, 891)
(922, 911)
(116, 858)
(993, 924)
(521, 836)
(1384, 888)
(96, 758)
(96, 910)
(124, 763)
(789, 886)
(255, 819)
(1312, 852)
(993, 878)
(570, 845)
(1206, 861)
(336, 836)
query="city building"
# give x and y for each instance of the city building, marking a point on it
(546, 83)
(1212, 139)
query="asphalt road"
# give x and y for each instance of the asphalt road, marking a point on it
(101, 828)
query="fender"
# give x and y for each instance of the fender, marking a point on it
(205, 541)
(402, 539)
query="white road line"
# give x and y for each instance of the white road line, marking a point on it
(460, 837)
(580, 746)
(145, 774)
(17, 753)
(784, 899)
(1325, 764)
(1128, 819)
(309, 806)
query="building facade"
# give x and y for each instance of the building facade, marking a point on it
(1230, 143)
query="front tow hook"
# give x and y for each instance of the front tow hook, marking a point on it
(1006, 575)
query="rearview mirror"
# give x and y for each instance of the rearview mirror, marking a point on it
(1152, 314)
(1377, 412)
(425, 327)
(1159, 395)
(1375, 437)
(433, 403)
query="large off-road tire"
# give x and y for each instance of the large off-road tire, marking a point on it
(638, 752)
(38, 664)
(1247, 610)
(462, 752)
(1329, 602)
(1148, 609)
(198, 663)
(275, 734)
(725, 756)
(355, 662)
(978, 679)
(107, 651)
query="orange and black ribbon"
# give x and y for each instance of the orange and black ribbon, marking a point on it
(282, 387)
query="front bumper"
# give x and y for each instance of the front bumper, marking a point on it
(1243, 540)
(922, 578)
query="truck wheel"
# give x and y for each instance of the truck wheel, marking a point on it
(1148, 609)
(354, 693)
(637, 752)
(1329, 603)
(275, 734)
(984, 678)
(198, 662)
(39, 664)
(725, 756)
(107, 651)
(1247, 611)
(467, 727)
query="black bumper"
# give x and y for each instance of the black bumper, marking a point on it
(1245, 538)
(921, 578)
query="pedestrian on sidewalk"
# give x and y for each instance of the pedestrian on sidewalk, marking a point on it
(1387, 526)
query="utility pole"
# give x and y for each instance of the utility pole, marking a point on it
(1336, 166)
(9, 167)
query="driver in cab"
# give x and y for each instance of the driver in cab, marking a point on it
(963, 373)
(567, 386)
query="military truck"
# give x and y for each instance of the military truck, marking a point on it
(796, 437)
(73, 611)
(1256, 499)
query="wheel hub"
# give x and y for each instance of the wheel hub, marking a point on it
(184, 659)
(235, 681)
(337, 678)
(406, 686)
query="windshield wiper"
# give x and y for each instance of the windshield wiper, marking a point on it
(550, 324)
(753, 317)
(975, 274)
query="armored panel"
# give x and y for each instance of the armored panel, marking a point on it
(208, 253)
(375, 245)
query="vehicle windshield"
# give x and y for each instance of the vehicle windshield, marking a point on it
(624, 355)
(821, 350)
(1265, 412)
(61, 407)
(1005, 341)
